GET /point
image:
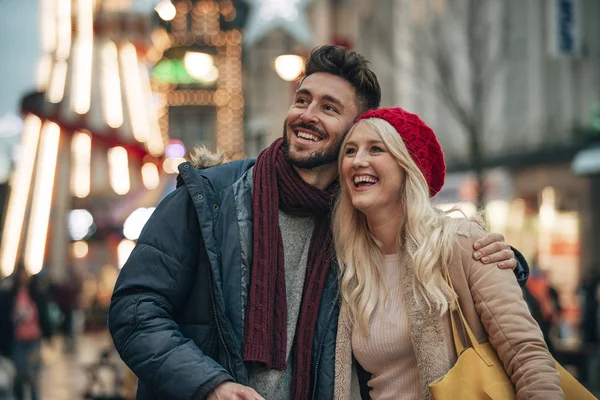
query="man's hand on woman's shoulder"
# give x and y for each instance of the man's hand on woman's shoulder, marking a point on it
(493, 249)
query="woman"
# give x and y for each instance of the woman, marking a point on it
(393, 247)
(24, 322)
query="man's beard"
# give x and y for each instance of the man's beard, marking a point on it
(327, 156)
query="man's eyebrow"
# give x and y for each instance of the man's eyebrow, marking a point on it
(327, 97)
(303, 91)
(333, 100)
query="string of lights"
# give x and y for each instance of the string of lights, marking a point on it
(98, 114)
(199, 51)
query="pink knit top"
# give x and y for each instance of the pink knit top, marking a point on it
(388, 353)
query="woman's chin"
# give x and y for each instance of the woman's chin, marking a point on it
(361, 205)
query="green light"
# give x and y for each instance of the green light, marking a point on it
(174, 72)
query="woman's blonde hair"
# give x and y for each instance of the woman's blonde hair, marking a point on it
(426, 237)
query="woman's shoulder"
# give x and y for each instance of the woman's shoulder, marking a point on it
(466, 232)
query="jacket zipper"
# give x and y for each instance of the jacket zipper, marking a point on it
(321, 350)
(229, 367)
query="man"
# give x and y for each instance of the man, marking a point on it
(232, 289)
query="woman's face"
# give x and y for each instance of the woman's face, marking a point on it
(370, 173)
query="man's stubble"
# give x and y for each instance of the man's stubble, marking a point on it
(317, 159)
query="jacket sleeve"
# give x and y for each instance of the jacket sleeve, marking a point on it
(152, 287)
(522, 269)
(512, 330)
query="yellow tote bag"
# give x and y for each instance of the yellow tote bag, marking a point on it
(479, 373)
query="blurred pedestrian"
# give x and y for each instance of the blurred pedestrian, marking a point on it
(67, 297)
(535, 309)
(24, 323)
(543, 303)
(590, 321)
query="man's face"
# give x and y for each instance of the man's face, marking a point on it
(323, 110)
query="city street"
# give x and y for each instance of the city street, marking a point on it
(221, 179)
(64, 376)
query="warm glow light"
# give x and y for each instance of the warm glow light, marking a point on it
(548, 207)
(118, 166)
(497, 215)
(124, 250)
(56, 90)
(42, 198)
(212, 74)
(79, 249)
(199, 65)
(134, 94)
(156, 144)
(161, 40)
(111, 85)
(83, 56)
(170, 165)
(82, 76)
(64, 29)
(48, 25)
(85, 19)
(80, 224)
(19, 194)
(516, 214)
(81, 152)
(43, 72)
(166, 10)
(132, 228)
(289, 66)
(150, 175)
(230, 137)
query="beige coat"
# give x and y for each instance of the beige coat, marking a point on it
(493, 305)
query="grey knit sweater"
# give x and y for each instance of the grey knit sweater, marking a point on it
(296, 233)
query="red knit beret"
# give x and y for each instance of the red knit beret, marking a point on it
(420, 141)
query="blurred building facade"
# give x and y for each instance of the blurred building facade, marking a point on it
(198, 73)
(537, 64)
(267, 95)
(536, 109)
(91, 149)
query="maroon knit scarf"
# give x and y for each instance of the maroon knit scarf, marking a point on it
(276, 185)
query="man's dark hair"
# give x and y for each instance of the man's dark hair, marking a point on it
(351, 66)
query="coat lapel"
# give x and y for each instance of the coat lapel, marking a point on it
(346, 385)
(429, 333)
(430, 337)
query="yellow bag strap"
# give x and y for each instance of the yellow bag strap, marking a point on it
(458, 343)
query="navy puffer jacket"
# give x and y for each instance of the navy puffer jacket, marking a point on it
(177, 313)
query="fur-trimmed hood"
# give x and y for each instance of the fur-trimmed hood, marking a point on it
(203, 158)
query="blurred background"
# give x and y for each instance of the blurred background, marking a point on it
(103, 99)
